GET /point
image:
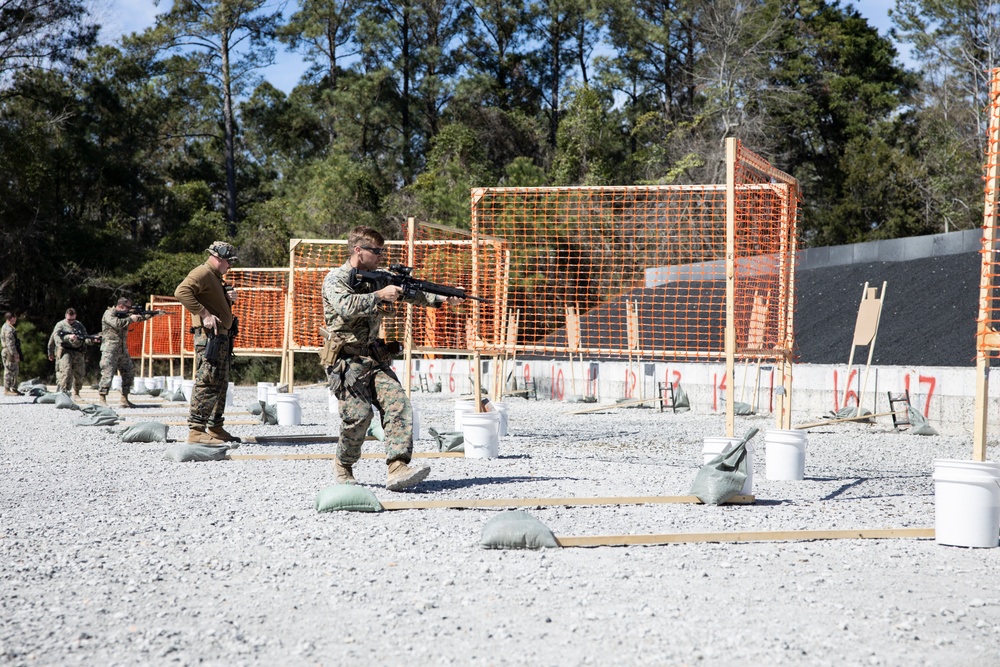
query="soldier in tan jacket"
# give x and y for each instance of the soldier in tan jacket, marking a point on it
(203, 293)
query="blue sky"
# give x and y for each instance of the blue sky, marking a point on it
(121, 17)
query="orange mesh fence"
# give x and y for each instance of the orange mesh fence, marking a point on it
(439, 256)
(987, 339)
(163, 332)
(261, 295)
(640, 270)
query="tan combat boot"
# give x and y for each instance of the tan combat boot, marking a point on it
(402, 476)
(103, 400)
(222, 434)
(345, 473)
(10, 392)
(198, 435)
(124, 402)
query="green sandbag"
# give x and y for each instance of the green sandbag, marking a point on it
(449, 441)
(255, 408)
(742, 408)
(154, 392)
(47, 398)
(268, 414)
(516, 529)
(919, 423)
(722, 478)
(64, 402)
(98, 420)
(346, 498)
(190, 451)
(177, 396)
(29, 385)
(375, 429)
(145, 432)
(93, 409)
(681, 401)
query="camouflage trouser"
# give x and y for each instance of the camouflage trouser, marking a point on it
(382, 389)
(211, 382)
(10, 365)
(114, 360)
(70, 367)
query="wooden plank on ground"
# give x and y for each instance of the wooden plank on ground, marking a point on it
(550, 502)
(749, 536)
(840, 420)
(599, 408)
(329, 456)
(184, 423)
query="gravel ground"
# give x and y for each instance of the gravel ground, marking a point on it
(110, 555)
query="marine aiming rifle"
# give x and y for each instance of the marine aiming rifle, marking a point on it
(138, 310)
(402, 276)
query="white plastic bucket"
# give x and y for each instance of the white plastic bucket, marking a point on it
(230, 398)
(502, 409)
(785, 454)
(187, 386)
(332, 404)
(289, 410)
(138, 384)
(461, 407)
(158, 382)
(482, 435)
(715, 445)
(272, 395)
(416, 423)
(262, 388)
(966, 503)
(116, 382)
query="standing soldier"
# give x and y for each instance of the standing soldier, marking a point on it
(66, 347)
(203, 293)
(11, 355)
(358, 363)
(114, 350)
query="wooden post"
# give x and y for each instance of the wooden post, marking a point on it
(984, 332)
(730, 336)
(408, 326)
(871, 349)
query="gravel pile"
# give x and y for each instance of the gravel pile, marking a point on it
(110, 555)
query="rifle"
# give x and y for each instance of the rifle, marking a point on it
(138, 310)
(402, 276)
(86, 339)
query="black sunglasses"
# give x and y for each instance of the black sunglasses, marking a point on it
(376, 251)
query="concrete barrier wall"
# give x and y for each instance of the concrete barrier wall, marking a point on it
(944, 395)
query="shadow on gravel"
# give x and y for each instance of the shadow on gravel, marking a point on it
(450, 484)
(858, 482)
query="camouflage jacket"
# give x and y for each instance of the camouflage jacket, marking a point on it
(114, 331)
(60, 338)
(350, 309)
(8, 338)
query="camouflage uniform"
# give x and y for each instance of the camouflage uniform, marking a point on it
(70, 360)
(205, 287)
(10, 354)
(353, 315)
(114, 352)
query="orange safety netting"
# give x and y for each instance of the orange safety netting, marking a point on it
(640, 270)
(987, 339)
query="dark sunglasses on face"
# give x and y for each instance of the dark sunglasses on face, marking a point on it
(375, 251)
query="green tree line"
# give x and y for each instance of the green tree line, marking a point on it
(122, 162)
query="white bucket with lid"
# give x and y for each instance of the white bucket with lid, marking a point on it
(230, 398)
(138, 384)
(502, 409)
(785, 454)
(966, 503)
(462, 406)
(262, 388)
(289, 410)
(332, 404)
(116, 382)
(158, 382)
(715, 445)
(482, 434)
(416, 423)
(187, 387)
(272, 395)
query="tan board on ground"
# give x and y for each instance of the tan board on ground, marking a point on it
(552, 502)
(749, 536)
(328, 456)
(623, 404)
(184, 423)
(841, 420)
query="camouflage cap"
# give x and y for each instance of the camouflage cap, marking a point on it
(223, 250)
